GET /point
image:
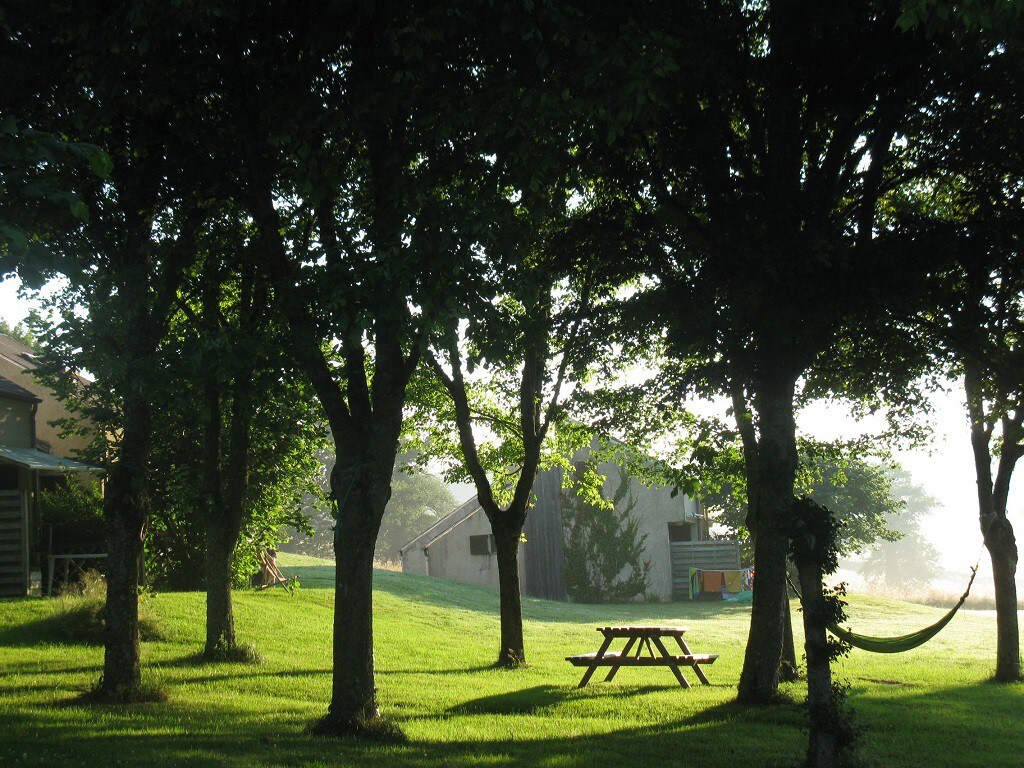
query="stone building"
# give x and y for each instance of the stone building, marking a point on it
(674, 530)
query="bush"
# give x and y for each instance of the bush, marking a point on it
(75, 510)
(78, 612)
(603, 547)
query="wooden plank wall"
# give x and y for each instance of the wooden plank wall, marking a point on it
(706, 555)
(543, 556)
(13, 543)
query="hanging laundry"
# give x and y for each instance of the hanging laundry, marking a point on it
(712, 581)
(694, 585)
(733, 582)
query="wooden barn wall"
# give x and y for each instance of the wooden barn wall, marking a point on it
(542, 554)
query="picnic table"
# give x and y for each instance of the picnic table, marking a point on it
(637, 640)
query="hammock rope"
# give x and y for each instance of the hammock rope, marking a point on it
(901, 643)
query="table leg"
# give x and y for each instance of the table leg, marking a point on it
(671, 662)
(625, 652)
(647, 642)
(696, 667)
(593, 665)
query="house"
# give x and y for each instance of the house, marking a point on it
(33, 455)
(673, 531)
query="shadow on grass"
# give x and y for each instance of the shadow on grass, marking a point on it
(526, 701)
(940, 727)
(533, 700)
(439, 671)
(237, 742)
(46, 628)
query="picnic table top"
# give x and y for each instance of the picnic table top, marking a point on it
(643, 630)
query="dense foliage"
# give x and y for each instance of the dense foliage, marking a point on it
(603, 545)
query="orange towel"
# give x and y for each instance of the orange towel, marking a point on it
(712, 581)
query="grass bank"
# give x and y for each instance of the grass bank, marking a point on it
(435, 643)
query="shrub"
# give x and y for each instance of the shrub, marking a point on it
(603, 546)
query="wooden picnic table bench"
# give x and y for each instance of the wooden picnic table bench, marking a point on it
(658, 655)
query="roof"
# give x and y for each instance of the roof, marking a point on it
(9, 389)
(45, 462)
(462, 512)
(25, 360)
(17, 353)
(20, 360)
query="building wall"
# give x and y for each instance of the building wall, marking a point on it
(51, 409)
(540, 557)
(449, 557)
(15, 422)
(655, 508)
(16, 367)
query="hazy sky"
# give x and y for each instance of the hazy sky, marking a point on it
(944, 468)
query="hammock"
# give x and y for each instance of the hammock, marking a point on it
(899, 643)
(902, 642)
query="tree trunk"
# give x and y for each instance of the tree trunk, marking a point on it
(1002, 547)
(220, 621)
(353, 707)
(825, 739)
(776, 472)
(512, 650)
(997, 530)
(220, 616)
(125, 515)
(788, 670)
(224, 523)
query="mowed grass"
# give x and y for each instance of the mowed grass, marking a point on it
(435, 643)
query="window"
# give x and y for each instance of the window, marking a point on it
(680, 532)
(481, 545)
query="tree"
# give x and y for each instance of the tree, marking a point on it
(983, 329)
(19, 333)
(124, 264)
(342, 165)
(762, 175)
(244, 464)
(909, 560)
(972, 323)
(524, 346)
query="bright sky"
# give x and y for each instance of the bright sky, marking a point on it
(944, 468)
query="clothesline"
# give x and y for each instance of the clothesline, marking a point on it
(731, 584)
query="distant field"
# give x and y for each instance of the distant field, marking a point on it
(435, 643)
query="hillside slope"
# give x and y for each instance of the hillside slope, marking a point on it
(435, 643)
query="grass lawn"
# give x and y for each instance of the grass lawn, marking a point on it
(435, 641)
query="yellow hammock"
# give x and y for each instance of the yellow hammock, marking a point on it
(902, 642)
